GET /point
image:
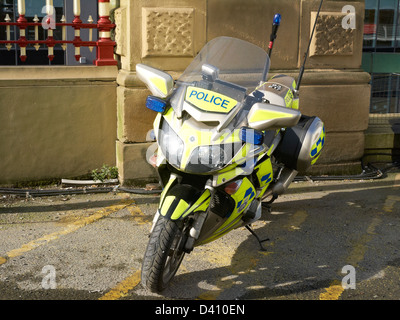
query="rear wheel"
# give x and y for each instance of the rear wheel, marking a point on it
(164, 254)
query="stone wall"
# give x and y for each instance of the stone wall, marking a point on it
(168, 34)
(56, 122)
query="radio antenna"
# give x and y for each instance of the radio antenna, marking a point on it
(308, 49)
(275, 26)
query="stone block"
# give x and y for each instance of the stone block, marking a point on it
(168, 32)
(343, 108)
(330, 37)
(334, 169)
(134, 119)
(133, 167)
(120, 34)
(342, 147)
(165, 34)
(381, 138)
(251, 20)
(330, 54)
(341, 155)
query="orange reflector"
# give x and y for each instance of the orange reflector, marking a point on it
(153, 160)
(232, 187)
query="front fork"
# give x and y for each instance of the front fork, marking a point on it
(178, 202)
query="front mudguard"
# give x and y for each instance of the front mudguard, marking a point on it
(178, 201)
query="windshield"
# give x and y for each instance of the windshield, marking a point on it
(214, 92)
(237, 65)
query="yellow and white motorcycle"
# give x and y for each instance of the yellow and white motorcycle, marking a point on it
(227, 141)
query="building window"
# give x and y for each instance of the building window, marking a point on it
(381, 54)
(40, 56)
(385, 93)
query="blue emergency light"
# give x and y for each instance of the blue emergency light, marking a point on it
(251, 136)
(277, 19)
(156, 104)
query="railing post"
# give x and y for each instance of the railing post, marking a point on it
(36, 20)
(64, 33)
(77, 22)
(22, 29)
(50, 39)
(105, 46)
(8, 32)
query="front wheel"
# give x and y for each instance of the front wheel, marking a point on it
(164, 254)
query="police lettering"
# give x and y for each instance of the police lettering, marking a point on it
(209, 98)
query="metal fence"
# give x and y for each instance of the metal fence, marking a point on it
(385, 98)
(105, 46)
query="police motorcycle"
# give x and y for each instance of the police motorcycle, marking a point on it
(227, 141)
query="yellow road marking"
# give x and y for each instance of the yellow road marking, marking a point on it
(359, 249)
(68, 229)
(122, 288)
(140, 217)
(296, 220)
(390, 202)
(334, 291)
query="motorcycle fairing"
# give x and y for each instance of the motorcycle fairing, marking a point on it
(264, 173)
(243, 198)
(196, 134)
(180, 200)
(173, 180)
(224, 177)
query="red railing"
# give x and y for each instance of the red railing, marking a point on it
(105, 46)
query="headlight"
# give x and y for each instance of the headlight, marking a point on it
(206, 159)
(171, 145)
(214, 156)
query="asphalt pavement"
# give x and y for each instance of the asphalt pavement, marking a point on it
(328, 240)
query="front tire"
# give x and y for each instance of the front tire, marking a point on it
(164, 254)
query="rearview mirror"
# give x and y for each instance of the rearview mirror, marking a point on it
(159, 82)
(263, 116)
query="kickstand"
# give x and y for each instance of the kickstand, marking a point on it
(258, 239)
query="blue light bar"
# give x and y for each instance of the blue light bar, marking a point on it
(251, 136)
(277, 19)
(156, 104)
